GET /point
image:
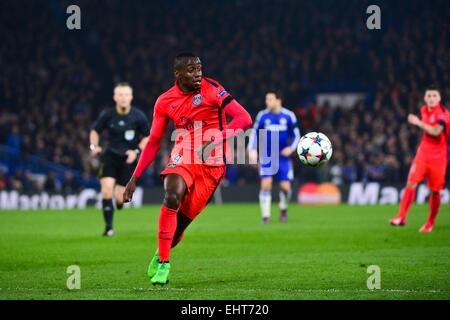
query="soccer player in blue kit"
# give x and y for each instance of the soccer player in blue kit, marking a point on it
(277, 134)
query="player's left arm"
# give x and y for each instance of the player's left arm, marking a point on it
(434, 131)
(240, 118)
(294, 135)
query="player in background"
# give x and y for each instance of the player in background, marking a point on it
(128, 129)
(281, 124)
(431, 158)
(197, 106)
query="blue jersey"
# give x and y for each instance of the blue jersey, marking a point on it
(281, 128)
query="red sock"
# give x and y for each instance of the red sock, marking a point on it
(166, 230)
(435, 203)
(408, 198)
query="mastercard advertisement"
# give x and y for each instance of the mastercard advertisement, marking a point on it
(315, 193)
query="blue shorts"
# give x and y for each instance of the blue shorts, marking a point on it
(284, 172)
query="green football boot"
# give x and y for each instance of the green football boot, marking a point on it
(153, 266)
(162, 274)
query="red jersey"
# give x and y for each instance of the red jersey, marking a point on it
(434, 149)
(198, 116)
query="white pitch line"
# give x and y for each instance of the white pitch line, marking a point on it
(234, 290)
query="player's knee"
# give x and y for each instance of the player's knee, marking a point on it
(107, 193)
(172, 199)
(266, 185)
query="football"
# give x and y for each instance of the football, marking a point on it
(314, 149)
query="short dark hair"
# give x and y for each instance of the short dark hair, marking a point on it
(276, 93)
(123, 84)
(433, 87)
(181, 58)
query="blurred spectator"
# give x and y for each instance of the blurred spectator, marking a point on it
(14, 140)
(51, 183)
(70, 185)
(3, 180)
(27, 182)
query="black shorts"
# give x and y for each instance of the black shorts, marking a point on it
(115, 166)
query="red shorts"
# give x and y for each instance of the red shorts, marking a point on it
(435, 174)
(201, 181)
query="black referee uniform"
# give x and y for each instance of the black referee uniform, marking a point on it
(124, 133)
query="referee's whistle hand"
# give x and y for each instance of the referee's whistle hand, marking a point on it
(131, 156)
(129, 190)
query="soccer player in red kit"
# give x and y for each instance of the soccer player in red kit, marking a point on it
(197, 106)
(431, 158)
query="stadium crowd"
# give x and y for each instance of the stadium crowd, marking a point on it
(55, 81)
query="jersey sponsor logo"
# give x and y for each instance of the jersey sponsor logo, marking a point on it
(276, 127)
(197, 99)
(187, 124)
(129, 135)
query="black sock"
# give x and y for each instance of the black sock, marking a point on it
(108, 212)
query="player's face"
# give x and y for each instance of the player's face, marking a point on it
(189, 76)
(271, 101)
(279, 103)
(432, 98)
(123, 96)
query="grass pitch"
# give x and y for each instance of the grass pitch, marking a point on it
(321, 253)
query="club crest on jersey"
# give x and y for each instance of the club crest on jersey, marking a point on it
(197, 99)
(432, 118)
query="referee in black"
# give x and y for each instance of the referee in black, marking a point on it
(128, 130)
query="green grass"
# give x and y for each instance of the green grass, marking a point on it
(322, 253)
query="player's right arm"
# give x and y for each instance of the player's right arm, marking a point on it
(434, 131)
(94, 135)
(159, 125)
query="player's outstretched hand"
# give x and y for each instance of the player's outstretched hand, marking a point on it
(129, 189)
